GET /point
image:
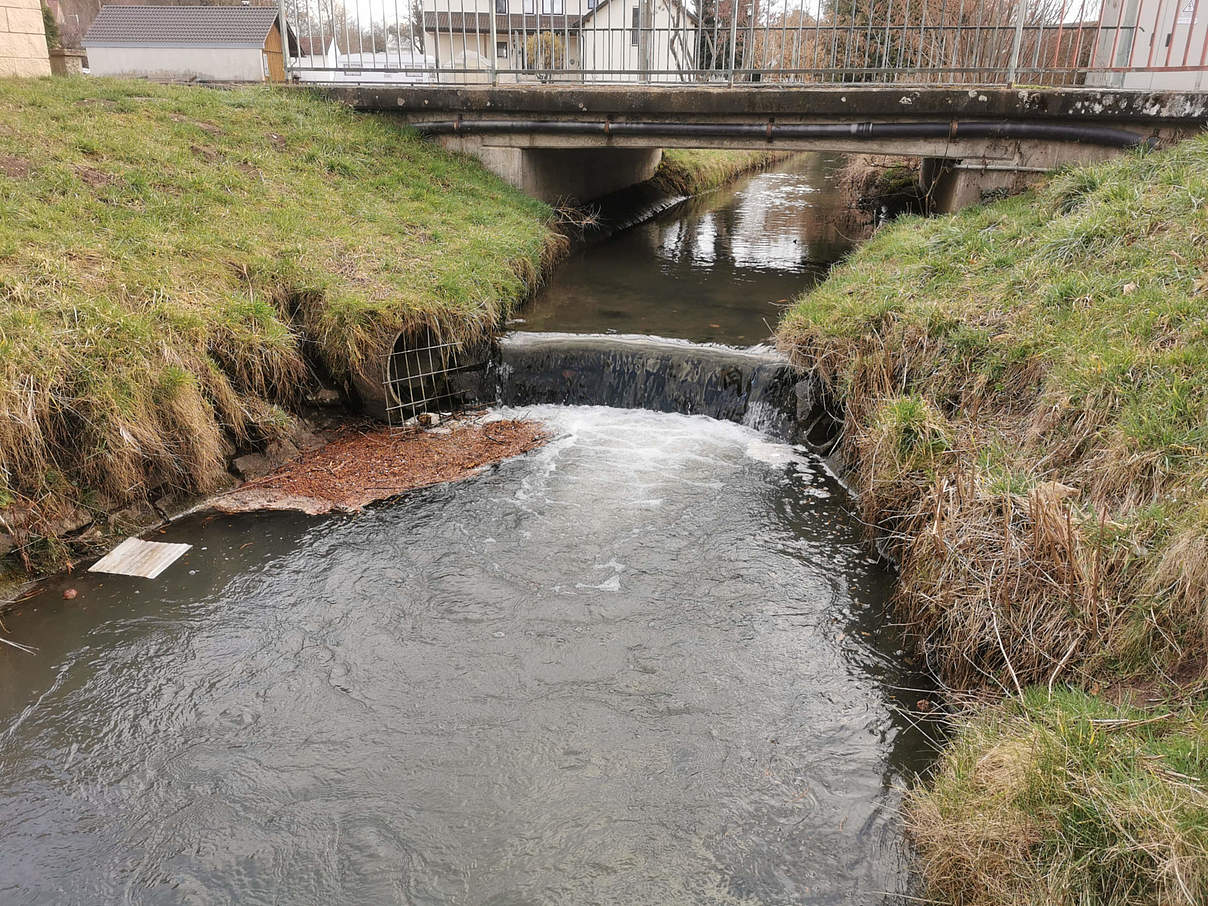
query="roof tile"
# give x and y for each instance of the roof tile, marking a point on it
(180, 26)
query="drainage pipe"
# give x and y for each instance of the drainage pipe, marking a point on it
(952, 130)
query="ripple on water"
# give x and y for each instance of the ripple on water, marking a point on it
(646, 663)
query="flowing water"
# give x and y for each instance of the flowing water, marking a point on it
(718, 268)
(648, 663)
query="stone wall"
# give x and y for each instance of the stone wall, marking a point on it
(23, 49)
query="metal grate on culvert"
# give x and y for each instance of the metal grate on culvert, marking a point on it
(426, 373)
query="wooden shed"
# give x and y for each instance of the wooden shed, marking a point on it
(203, 43)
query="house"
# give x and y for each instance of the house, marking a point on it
(322, 59)
(1152, 35)
(206, 43)
(560, 40)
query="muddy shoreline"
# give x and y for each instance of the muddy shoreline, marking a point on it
(362, 464)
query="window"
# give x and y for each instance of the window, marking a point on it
(551, 6)
(530, 6)
(501, 50)
(501, 7)
(635, 29)
(591, 4)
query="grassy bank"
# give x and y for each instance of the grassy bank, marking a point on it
(174, 261)
(878, 176)
(1023, 389)
(1069, 800)
(692, 171)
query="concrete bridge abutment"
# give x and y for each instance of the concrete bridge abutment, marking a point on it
(561, 175)
(953, 182)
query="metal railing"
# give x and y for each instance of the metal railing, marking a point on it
(1146, 44)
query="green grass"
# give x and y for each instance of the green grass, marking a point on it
(1067, 800)
(172, 259)
(1025, 404)
(1059, 338)
(689, 171)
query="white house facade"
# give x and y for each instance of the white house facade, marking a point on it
(1169, 38)
(561, 40)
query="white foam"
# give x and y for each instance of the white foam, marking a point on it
(610, 584)
(647, 452)
(774, 454)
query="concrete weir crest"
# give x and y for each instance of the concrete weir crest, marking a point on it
(756, 386)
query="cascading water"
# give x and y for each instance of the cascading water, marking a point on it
(754, 387)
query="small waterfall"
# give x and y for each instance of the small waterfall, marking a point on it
(756, 387)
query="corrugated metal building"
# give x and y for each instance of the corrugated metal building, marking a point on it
(206, 43)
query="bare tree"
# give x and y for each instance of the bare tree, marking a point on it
(884, 40)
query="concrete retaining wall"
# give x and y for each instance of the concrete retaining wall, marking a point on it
(23, 50)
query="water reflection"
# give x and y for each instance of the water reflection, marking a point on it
(717, 268)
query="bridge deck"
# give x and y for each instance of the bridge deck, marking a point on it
(803, 104)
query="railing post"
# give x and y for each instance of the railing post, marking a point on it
(435, 39)
(494, 49)
(643, 42)
(1017, 44)
(284, 24)
(733, 36)
(649, 35)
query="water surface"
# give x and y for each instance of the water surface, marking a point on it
(649, 663)
(718, 268)
(646, 664)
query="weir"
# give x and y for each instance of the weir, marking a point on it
(591, 336)
(756, 387)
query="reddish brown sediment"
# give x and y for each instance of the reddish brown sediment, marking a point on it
(359, 466)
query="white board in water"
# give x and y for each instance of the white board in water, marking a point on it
(135, 557)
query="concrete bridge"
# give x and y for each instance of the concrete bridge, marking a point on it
(577, 142)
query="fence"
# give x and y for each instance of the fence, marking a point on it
(1105, 43)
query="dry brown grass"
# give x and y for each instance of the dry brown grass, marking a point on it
(988, 828)
(1058, 528)
(175, 261)
(868, 175)
(1061, 800)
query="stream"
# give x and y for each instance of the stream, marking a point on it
(648, 663)
(717, 268)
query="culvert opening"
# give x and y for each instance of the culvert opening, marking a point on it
(428, 374)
